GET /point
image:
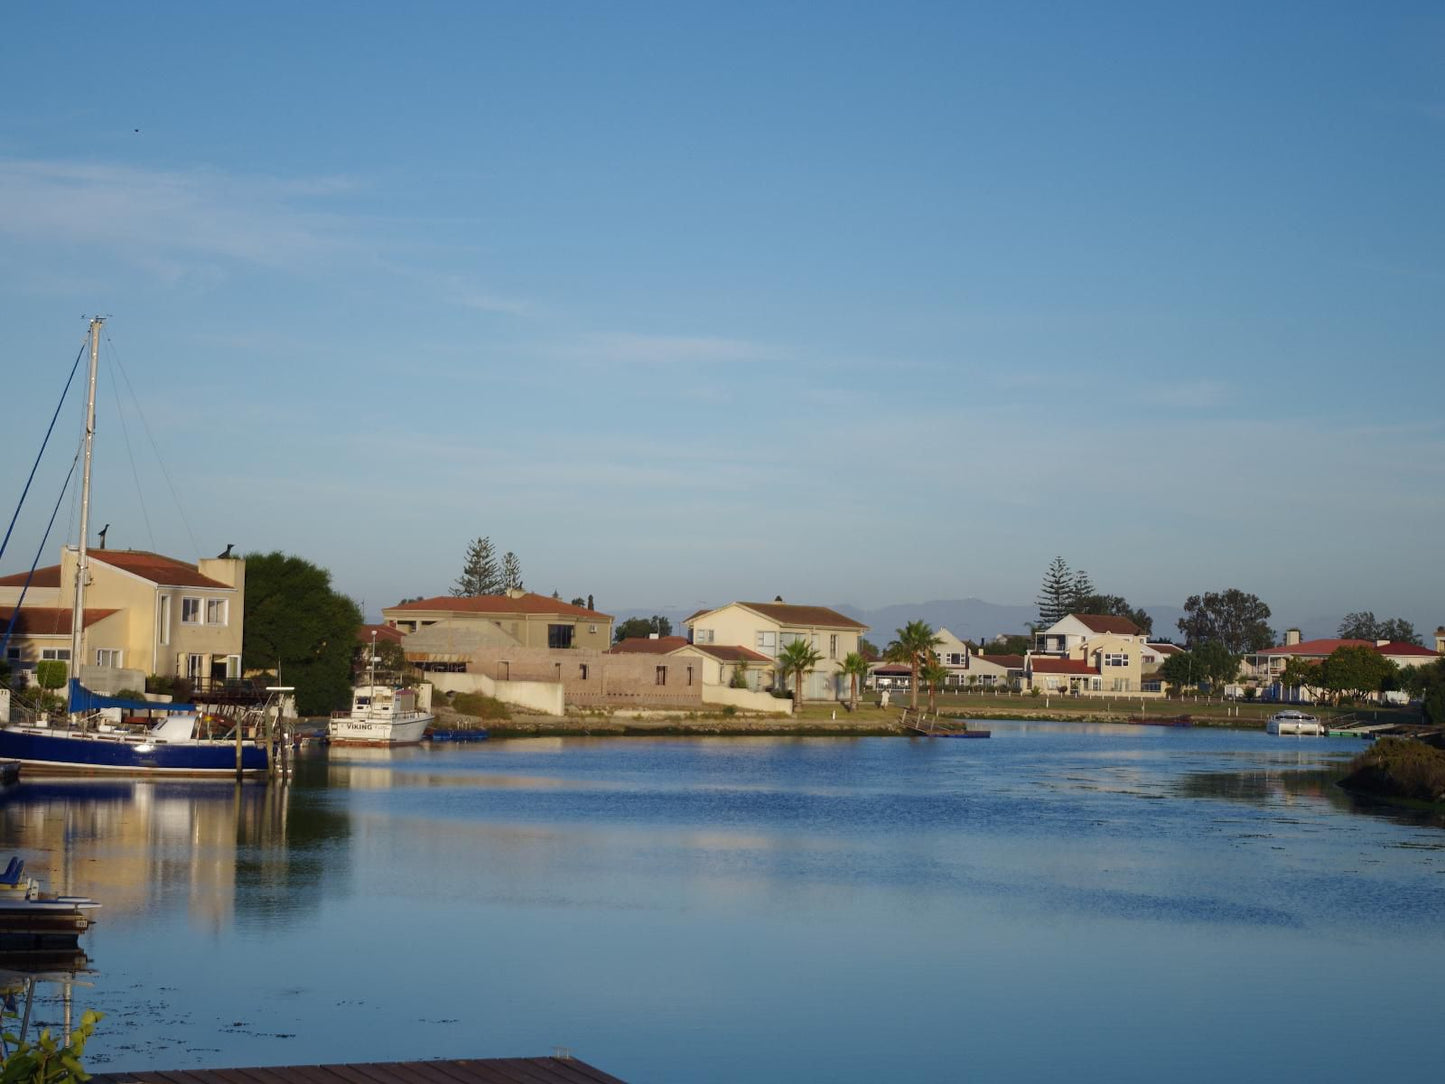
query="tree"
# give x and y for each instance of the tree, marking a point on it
(1114, 606)
(868, 649)
(1301, 674)
(1215, 663)
(1179, 670)
(1237, 620)
(642, 627)
(1363, 626)
(796, 660)
(480, 575)
(295, 620)
(914, 646)
(511, 572)
(1056, 593)
(1355, 671)
(579, 601)
(1083, 589)
(855, 667)
(1016, 644)
(935, 674)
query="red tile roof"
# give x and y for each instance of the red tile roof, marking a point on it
(1043, 664)
(498, 604)
(646, 645)
(49, 576)
(384, 634)
(1329, 645)
(48, 620)
(804, 616)
(1011, 662)
(730, 653)
(1108, 623)
(166, 571)
(1166, 649)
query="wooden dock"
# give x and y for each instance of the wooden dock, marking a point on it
(918, 722)
(556, 1070)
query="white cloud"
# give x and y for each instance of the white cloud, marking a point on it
(170, 222)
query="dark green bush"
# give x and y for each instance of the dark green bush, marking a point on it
(1399, 768)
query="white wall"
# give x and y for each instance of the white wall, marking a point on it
(540, 696)
(746, 700)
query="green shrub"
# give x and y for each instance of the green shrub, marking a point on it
(50, 673)
(1399, 768)
(481, 706)
(45, 1061)
(729, 710)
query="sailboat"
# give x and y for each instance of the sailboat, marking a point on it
(97, 735)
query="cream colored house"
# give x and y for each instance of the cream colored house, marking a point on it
(1091, 655)
(767, 627)
(721, 663)
(530, 620)
(144, 613)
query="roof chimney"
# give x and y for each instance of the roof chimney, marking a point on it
(515, 592)
(1291, 637)
(777, 598)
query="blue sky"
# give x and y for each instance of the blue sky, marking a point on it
(685, 303)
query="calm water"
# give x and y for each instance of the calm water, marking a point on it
(1096, 903)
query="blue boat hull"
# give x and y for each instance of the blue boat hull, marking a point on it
(81, 754)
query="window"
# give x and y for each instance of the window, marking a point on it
(582, 672)
(702, 636)
(559, 635)
(832, 645)
(1121, 685)
(953, 658)
(216, 611)
(1098, 683)
(12, 654)
(592, 628)
(190, 611)
(195, 667)
(661, 678)
(233, 667)
(767, 640)
(60, 653)
(106, 656)
(689, 675)
(165, 619)
(1116, 660)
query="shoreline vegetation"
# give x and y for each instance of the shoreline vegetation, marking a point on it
(828, 718)
(1401, 772)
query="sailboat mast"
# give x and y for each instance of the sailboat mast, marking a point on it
(77, 614)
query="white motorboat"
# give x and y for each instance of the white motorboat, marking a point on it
(379, 715)
(1294, 722)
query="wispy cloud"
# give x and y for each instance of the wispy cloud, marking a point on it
(637, 349)
(170, 221)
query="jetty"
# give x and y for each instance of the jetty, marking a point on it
(931, 726)
(560, 1069)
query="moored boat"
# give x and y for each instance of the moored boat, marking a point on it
(32, 920)
(90, 738)
(1294, 722)
(379, 715)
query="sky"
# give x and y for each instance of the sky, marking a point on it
(685, 303)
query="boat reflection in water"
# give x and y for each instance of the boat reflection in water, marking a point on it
(30, 981)
(223, 847)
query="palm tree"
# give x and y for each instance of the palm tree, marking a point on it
(935, 673)
(797, 659)
(914, 646)
(855, 667)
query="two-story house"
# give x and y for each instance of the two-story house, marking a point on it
(1090, 654)
(528, 619)
(768, 627)
(144, 614)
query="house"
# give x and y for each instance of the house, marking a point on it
(728, 665)
(1264, 668)
(1104, 656)
(995, 671)
(145, 614)
(768, 627)
(528, 619)
(952, 654)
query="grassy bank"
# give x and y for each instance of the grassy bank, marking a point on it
(1401, 770)
(829, 718)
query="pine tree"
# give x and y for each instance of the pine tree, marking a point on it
(511, 572)
(1056, 593)
(479, 571)
(1083, 590)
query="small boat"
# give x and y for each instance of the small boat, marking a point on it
(1294, 722)
(379, 715)
(30, 920)
(461, 734)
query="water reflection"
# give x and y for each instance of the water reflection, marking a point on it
(138, 844)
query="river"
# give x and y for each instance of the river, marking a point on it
(1106, 903)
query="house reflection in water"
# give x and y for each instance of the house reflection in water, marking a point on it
(226, 849)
